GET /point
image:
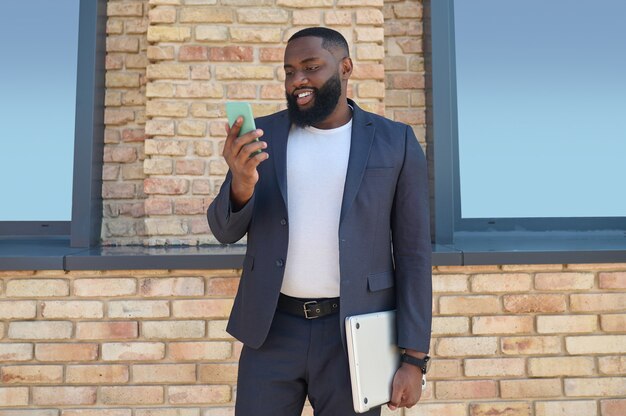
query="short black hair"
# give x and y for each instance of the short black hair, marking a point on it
(330, 38)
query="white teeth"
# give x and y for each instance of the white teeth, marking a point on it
(304, 94)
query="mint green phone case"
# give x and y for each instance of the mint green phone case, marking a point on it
(235, 109)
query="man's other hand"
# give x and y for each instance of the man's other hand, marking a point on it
(407, 387)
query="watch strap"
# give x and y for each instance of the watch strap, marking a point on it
(418, 362)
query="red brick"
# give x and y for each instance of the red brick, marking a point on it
(236, 54)
(502, 324)
(195, 351)
(191, 206)
(118, 190)
(613, 407)
(519, 389)
(131, 395)
(466, 346)
(500, 409)
(598, 302)
(193, 53)
(453, 305)
(531, 345)
(613, 323)
(37, 288)
(158, 206)
(118, 117)
(475, 389)
(13, 396)
(566, 408)
(217, 373)
(271, 54)
(612, 364)
(164, 373)
(368, 71)
(495, 367)
(501, 282)
(405, 81)
(133, 135)
(97, 374)
(199, 394)
(564, 281)
(66, 352)
(173, 329)
(32, 374)
(106, 330)
(534, 303)
(567, 324)
(437, 409)
(560, 366)
(15, 352)
(166, 186)
(51, 396)
(133, 351)
(181, 286)
(615, 280)
(602, 387)
(596, 344)
(202, 308)
(190, 167)
(222, 286)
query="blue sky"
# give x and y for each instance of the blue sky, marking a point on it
(38, 40)
(542, 107)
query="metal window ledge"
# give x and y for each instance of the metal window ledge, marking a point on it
(468, 249)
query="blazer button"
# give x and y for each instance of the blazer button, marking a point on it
(283, 222)
(280, 263)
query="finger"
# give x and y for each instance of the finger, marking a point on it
(246, 139)
(250, 149)
(231, 133)
(257, 159)
(396, 397)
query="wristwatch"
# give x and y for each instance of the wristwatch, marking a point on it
(422, 363)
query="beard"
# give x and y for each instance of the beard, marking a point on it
(324, 103)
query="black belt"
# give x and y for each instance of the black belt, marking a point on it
(308, 308)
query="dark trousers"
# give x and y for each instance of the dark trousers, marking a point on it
(300, 358)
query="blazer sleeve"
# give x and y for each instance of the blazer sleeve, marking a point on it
(229, 226)
(410, 228)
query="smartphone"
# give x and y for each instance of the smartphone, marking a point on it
(235, 109)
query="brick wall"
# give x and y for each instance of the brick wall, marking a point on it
(171, 66)
(507, 340)
(125, 101)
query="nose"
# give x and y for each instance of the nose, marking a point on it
(300, 79)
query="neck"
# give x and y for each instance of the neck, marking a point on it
(340, 116)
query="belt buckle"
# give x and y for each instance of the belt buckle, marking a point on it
(306, 311)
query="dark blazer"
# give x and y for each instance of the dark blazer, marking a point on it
(384, 237)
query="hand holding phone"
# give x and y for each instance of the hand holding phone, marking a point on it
(243, 155)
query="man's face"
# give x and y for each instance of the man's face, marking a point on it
(313, 85)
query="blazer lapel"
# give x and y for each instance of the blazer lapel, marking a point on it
(360, 144)
(278, 151)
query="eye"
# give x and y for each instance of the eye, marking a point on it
(312, 68)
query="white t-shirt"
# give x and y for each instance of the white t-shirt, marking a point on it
(317, 161)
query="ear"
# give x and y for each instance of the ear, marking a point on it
(346, 68)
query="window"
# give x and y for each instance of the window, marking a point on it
(51, 111)
(528, 105)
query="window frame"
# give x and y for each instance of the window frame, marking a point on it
(448, 223)
(83, 230)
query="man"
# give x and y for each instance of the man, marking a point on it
(334, 201)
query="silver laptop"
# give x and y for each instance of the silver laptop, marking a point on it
(373, 356)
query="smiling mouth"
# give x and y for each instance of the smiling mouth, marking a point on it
(304, 97)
